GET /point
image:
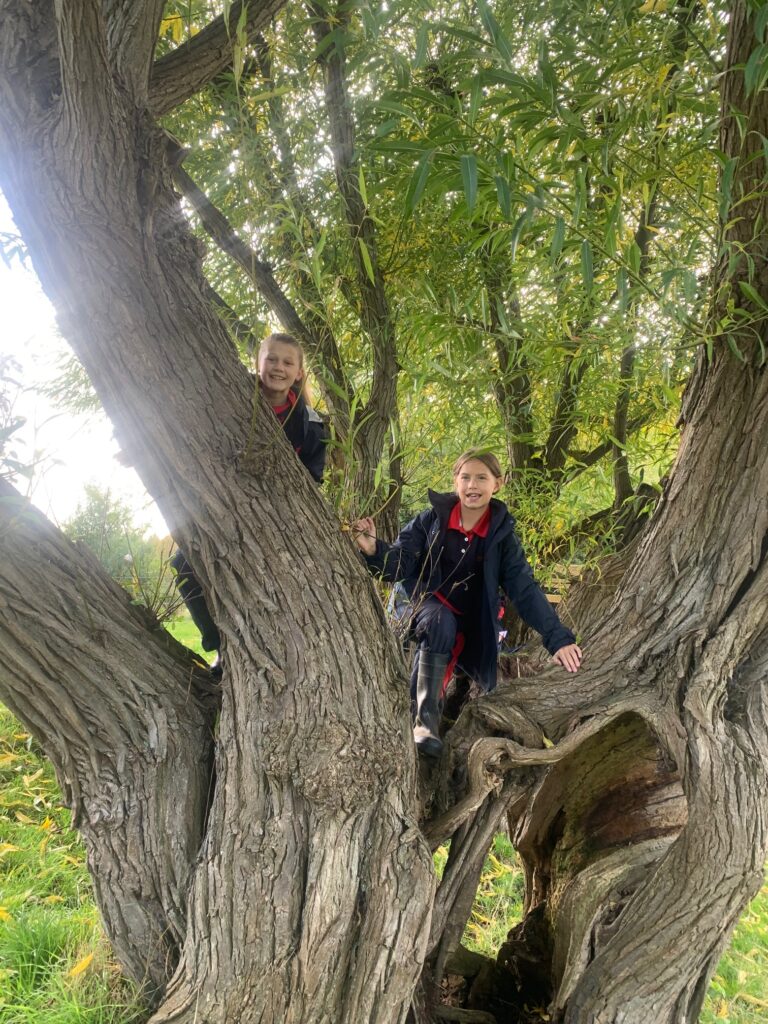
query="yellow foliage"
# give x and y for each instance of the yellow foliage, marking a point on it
(654, 7)
(173, 24)
(24, 819)
(753, 1000)
(4, 915)
(81, 965)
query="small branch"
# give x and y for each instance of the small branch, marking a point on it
(190, 67)
(260, 273)
(584, 460)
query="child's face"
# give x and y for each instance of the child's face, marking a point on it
(279, 367)
(475, 485)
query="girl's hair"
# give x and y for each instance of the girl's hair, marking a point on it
(304, 388)
(487, 458)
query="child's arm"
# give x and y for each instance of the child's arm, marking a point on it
(398, 561)
(516, 579)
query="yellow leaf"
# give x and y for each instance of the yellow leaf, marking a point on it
(174, 23)
(722, 1009)
(54, 898)
(654, 7)
(747, 998)
(81, 965)
(31, 778)
(24, 819)
(46, 824)
(22, 736)
(9, 758)
(4, 915)
(8, 848)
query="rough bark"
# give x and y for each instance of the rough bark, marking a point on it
(126, 716)
(635, 792)
(310, 898)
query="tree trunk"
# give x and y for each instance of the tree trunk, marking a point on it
(311, 897)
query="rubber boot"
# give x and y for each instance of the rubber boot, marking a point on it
(429, 683)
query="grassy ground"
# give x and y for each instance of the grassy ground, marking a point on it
(55, 965)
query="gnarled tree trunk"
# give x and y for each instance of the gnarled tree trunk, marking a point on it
(305, 892)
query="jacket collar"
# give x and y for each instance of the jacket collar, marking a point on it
(442, 503)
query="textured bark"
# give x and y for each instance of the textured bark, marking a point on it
(310, 898)
(634, 791)
(126, 716)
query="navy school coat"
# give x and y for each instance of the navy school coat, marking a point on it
(306, 431)
(414, 559)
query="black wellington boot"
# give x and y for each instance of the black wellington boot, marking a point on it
(429, 683)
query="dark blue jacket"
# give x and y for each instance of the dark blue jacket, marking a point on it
(306, 431)
(414, 559)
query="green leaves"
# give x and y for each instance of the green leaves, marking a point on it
(756, 69)
(494, 31)
(366, 257)
(750, 293)
(468, 165)
(418, 182)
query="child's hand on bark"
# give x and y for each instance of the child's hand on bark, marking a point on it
(569, 657)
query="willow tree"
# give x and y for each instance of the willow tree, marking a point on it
(283, 873)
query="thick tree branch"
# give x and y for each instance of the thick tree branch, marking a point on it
(124, 713)
(132, 27)
(187, 69)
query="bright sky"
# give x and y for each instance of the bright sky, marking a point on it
(72, 450)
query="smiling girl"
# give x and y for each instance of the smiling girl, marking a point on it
(453, 559)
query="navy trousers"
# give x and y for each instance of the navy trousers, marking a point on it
(433, 628)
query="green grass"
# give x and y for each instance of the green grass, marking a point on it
(55, 964)
(187, 633)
